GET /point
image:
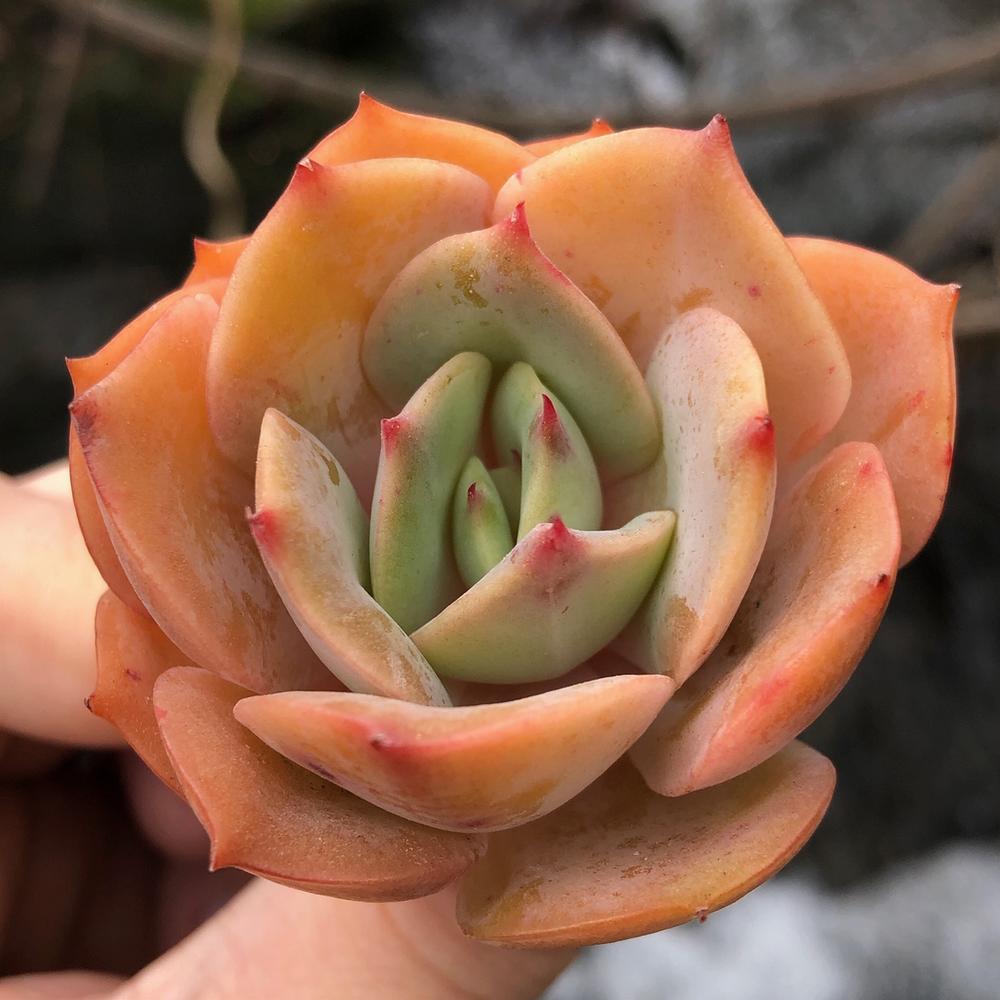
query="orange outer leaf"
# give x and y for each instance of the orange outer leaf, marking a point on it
(619, 861)
(274, 819)
(131, 653)
(653, 222)
(375, 130)
(86, 372)
(812, 609)
(485, 767)
(214, 259)
(542, 147)
(290, 326)
(176, 509)
(897, 330)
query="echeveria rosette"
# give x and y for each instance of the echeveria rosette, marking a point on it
(500, 514)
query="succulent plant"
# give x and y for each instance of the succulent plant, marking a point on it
(501, 513)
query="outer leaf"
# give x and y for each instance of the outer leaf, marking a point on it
(812, 609)
(176, 507)
(423, 452)
(495, 293)
(896, 328)
(554, 601)
(215, 260)
(313, 537)
(273, 819)
(290, 328)
(619, 861)
(486, 767)
(542, 147)
(717, 472)
(85, 373)
(131, 653)
(653, 222)
(376, 130)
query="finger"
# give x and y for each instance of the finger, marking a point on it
(48, 592)
(59, 986)
(273, 941)
(50, 480)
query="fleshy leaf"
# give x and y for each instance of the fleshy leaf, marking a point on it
(897, 330)
(542, 147)
(274, 819)
(554, 601)
(85, 373)
(558, 475)
(376, 130)
(494, 292)
(486, 767)
(717, 472)
(176, 509)
(619, 861)
(423, 452)
(481, 534)
(92, 527)
(507, 480)
(215, 259)
(653, 222)
(131, 653)
(313, 537)
(290, 326)
(812, 609)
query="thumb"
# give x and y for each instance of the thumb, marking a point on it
(271, 941)
(48, 592)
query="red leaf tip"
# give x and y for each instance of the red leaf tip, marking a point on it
(517, 221)
(391, 428)
(263, 527)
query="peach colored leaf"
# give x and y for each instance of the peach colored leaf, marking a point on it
(376, 130)
(131, 653)
(290, 326)
(542, 147)
(619, 861)
(313, 536)
(558, 598)
(176, 508)
(653, 222)
(214, 259)
(275, 819)
(814, 604)
(86, 372)
(897, 330)
(485, 767)
(717, 472)
(494, 292)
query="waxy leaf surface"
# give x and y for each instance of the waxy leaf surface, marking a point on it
(897, 330)
(313, 537)
(275, 819)
(376, 130)
(176, 507)
(619, 861)
(484, 767)
(653, 222)
(494, 292)
(814, 604)
(557, 598)
(303, 289)
(717, 472)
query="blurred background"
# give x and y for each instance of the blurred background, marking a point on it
(127, 126)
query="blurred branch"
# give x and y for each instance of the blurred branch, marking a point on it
(201, 123)
(321, 82)
(44, 132)
(928, 234)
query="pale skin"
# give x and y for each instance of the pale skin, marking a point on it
(83, 876)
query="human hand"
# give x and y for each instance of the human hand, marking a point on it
(101, 866)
